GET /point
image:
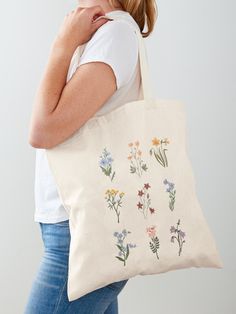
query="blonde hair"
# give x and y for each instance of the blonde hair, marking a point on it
(144, 12)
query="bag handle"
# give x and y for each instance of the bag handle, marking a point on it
(144, 67)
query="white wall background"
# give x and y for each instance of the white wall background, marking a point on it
(192, 56)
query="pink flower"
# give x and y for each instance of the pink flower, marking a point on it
(151, 231)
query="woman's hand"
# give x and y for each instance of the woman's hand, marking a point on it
(78, 27)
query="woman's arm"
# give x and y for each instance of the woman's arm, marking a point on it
(59, 108)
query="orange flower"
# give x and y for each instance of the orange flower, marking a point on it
(129, 157)
(130, 144)
(139, 152)
(155, 141)
(137, 143)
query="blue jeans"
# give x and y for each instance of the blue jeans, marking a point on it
(48, 293)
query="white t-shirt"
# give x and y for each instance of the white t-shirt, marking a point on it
(116, 44)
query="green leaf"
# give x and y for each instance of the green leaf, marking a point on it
(105, 171)
(164, 153)
(152, 247)
(121, 259)
(113, 176)
(132, 169)
(156, 240)
(161, 157)
(127, 252)
(158, 159)
(120, 247)
(109, 171)
(144, 167)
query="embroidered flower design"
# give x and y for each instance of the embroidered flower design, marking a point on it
(179, 236)
(124, 248)
(159, 151)
(145, 200)
(154, 243)
(172, 192)
(137, 164)
(114, 198)
(105, 164)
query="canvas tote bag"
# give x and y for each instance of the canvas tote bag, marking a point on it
(126, 181)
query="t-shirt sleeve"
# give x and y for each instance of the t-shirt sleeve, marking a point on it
(114, 43)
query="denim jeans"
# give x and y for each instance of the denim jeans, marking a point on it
(48, 293)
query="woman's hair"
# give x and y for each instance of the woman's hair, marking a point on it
(143, 11)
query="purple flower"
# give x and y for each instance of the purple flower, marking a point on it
(172, 229)
(124, 231)
(182, 234)
(165, 181)
(172, 239)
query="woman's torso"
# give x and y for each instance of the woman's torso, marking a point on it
(48, 207)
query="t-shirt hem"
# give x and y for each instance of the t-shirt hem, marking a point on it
(42, 219)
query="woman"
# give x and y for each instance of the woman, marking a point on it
(107, 76)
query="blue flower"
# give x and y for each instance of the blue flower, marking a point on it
(103, 162)
(109, 160)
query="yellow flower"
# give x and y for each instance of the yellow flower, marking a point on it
(122, 194)
(112, 191)
(155, 141)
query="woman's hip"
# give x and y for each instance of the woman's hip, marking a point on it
(49, 290)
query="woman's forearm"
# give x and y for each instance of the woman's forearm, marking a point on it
(52, 82)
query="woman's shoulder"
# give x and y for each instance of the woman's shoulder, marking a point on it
(120, 30)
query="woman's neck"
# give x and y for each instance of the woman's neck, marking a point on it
(103, 3)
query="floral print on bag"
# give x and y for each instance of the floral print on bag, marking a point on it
(114, 198)
(137, 164)
(124, 249)
(105, 164)
(179, 236)
(154, 243)
(172, 192)
(159, 151)
(145, 201)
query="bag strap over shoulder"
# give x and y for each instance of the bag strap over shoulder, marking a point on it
(144, 68)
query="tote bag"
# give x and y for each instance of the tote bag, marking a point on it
(127, 183)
